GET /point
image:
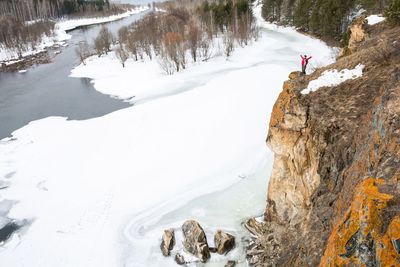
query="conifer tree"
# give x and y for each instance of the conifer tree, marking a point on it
(392, 13)
(302, 14)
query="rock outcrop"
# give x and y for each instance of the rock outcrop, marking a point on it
(224, 242)
(179, 259)
(358, 239)
(254, 227)
(168, 242)
(195, 240)
(334, 194)
(357, 32)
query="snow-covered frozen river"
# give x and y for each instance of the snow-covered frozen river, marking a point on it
(100, 192)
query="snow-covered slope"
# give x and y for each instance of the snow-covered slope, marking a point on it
(80, 183)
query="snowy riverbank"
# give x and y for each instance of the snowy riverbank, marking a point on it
(60, 35)
(94, 191)
(143, 80)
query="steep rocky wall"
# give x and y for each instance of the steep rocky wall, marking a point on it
(359, 238)
(334, 192)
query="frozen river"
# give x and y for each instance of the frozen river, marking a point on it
(100, 191)
(47, 90)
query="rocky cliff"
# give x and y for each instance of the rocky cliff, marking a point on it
(334, 192)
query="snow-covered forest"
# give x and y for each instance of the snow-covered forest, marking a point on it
(25, 24)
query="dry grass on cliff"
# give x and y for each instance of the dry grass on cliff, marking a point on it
(380, 54)
(377, 53)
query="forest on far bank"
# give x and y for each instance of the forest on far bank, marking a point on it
(26, 10)
(23, 23)
(328, 19)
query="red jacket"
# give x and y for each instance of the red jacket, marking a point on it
(304, 60)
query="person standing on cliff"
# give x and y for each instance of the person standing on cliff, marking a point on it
(304, 62)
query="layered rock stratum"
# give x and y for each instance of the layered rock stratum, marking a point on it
(334, 192)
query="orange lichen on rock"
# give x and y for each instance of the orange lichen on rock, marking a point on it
(281, 105)
(386, 251)
(357, 239)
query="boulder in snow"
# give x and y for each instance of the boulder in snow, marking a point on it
(224, 242)
(168, 242)
(195, 240)
(179, 259)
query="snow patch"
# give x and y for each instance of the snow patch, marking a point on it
(157, 9)
(374, 19)
(333, 77)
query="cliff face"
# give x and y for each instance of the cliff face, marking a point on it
(334, 192)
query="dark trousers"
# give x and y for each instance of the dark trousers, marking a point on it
(303, 69)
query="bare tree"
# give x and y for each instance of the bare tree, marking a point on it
(205, 49)
(103, 41)
(98, 46)
(244, 29)
(123, 34)
(193, 40)
(229, 43)
(145, 46)
(83, 51)
(181, 48)
(132, 45)
(107, 38)
(166, 64)
(173, 44)
(121, 54)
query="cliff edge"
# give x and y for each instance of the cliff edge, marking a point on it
(334, 192)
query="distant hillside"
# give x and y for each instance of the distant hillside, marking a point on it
(44, 9)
